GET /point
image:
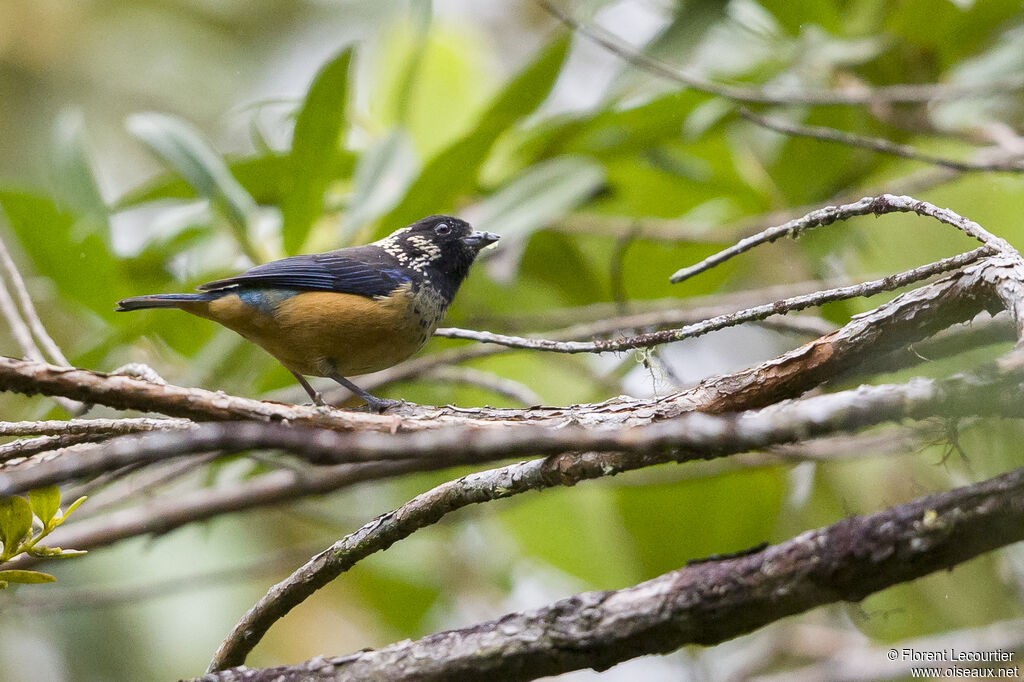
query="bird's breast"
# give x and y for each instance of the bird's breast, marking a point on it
(313, 332)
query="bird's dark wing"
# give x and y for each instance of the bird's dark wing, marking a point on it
(364, 271)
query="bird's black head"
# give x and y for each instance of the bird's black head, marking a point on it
(440, 248)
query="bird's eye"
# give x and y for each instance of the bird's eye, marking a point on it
(442, 229)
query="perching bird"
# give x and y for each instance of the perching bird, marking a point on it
(351, 311)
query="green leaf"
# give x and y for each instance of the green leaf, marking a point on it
(28, 577)
(318, 130)
(74, 182)
(454, 170)
(45, 502)
(15, 522)
(264, 177)
(185, 150)
(38, 550)
(64, 255)
(74, 505)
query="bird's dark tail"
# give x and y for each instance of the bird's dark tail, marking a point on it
(165, 301)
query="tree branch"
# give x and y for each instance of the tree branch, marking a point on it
(766, 95)
(688, 436)
(760, 312)
(702, 603)
(879, 144)
(879, 205)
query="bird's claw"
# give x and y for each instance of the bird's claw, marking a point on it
(382, 405)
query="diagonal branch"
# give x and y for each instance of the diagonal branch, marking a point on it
(879, 205)
(689, 437)
(702, 603)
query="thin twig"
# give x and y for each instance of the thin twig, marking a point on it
(16, 453)
(19, 330)
(728, 320)
(879, 205)
(110, 427)
(29, 310)
(910, 93)
(878, 144)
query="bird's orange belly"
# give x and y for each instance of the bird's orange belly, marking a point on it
(319, 332)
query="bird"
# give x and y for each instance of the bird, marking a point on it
(350, 311)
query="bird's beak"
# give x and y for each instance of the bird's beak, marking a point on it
(479, 240)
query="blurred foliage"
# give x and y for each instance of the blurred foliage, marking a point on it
(386, 112)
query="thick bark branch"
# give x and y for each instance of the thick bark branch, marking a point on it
(702, 603)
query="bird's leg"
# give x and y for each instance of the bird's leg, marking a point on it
(315, 395)
(375, 404)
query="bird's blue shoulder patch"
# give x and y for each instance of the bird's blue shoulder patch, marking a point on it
(265, 300)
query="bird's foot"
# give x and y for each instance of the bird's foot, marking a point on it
(381, 405)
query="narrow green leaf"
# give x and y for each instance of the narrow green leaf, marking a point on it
(73, 506)
(15, 522)
(543, 193)
(185, 150)
(28, 577)
(454, 170)
(64, 255)
(318, 130)
(58, 552)
(45, 502)
(74, 182)
(264, 177)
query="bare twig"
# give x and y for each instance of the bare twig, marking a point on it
(769, 95)
(29, 310)
(105, 427)
(16, 452)
(878, 144)
(702, 603)
(885, 203)
(19, 330)
(728, 320)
